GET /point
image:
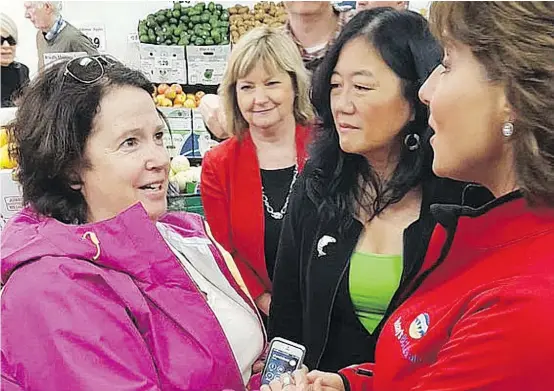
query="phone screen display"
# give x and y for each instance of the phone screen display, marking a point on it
(279, 362)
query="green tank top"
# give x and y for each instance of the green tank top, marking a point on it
(374, 278)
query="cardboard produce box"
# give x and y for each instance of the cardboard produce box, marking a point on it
(11, 198)
(206, 64)
(163, 64)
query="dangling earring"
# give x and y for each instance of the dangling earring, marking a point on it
(412, 141)
(508, 129)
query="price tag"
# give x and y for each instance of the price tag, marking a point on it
(133, 38)
(51, 58)
(163, 63)
(97, 34)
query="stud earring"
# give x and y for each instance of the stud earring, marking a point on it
(508, 129)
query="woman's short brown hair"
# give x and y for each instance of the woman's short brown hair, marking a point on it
(277, 52)
(514, 41)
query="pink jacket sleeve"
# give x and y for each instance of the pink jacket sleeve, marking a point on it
(63, 328)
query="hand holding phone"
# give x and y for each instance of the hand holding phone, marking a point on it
(284, 357)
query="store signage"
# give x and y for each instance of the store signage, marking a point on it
(97, 34)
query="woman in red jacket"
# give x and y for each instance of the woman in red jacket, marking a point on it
(480, 313)
(247, 180)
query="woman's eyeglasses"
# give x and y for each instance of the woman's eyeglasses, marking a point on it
(10, 40)
(89, 69)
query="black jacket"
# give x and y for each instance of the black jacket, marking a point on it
(311, 302)
(14, 78)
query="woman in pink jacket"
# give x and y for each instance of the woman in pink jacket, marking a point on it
(102, 289)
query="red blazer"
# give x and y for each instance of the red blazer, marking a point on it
(231, 189)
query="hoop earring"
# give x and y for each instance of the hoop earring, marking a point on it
(508, 129)
(412, 141)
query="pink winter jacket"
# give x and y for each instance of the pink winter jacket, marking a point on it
(108, 306)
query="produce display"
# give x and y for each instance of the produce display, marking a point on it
(174, 96)
(5, 161)
(244, 19)
(183, 175)
(199, 25)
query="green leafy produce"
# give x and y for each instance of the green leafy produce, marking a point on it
(199, 24)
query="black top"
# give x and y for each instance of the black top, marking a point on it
(310, 299)
(276, 184)
(14, 77)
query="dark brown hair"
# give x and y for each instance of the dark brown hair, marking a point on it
(514, 41)
(52, 125)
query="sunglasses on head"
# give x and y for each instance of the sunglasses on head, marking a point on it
(10, 40)
(89, 69)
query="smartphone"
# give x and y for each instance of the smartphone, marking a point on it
(284, 357)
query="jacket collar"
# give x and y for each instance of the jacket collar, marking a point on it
(505, 219)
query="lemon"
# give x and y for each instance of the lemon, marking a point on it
(3, 136)
(5, 161)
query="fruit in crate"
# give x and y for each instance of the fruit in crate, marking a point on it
(3, 136)
(200, 24)
(6, 162)
(179, 164)
(264, 13)
(174, 96)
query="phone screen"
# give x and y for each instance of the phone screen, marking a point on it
(279, 362)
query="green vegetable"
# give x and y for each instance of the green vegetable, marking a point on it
(199, 42)
(160, 19)
(211, 6)
(168, 14)
(184, 18)
(210, 41)
(224, 24)
(224, 16)
(201, 6)
(173, 21)
(176, 14)
(175, 40)
(218, 7)
(195, 19)
(159, 39)
(177, 32)
(225, 42)
(165, 25)
(144, 39)
(204, 34)
(191, 25)
(143, 31)
(168, 42)
(214, 23)
(207, 26)
(205, 18)
(217, 13)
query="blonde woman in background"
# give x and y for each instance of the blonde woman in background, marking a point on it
(15, 75)
(247, 180)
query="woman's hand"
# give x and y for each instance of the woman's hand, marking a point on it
(264, 302)
(303, 381)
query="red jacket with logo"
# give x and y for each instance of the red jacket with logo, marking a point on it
(481, 314)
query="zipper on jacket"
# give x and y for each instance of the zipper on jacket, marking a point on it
(205, 295)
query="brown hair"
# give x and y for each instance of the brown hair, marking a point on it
(278, 53)
(514, 41)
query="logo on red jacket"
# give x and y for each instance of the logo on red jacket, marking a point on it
(419, 326)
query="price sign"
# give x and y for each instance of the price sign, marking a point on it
(163, 63)
(51, 58)
(97, 35)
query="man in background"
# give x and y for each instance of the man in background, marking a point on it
(399, 5)
(55, 35)
(313, 26)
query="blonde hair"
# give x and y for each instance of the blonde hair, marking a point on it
(278, 53)
(514, 41)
